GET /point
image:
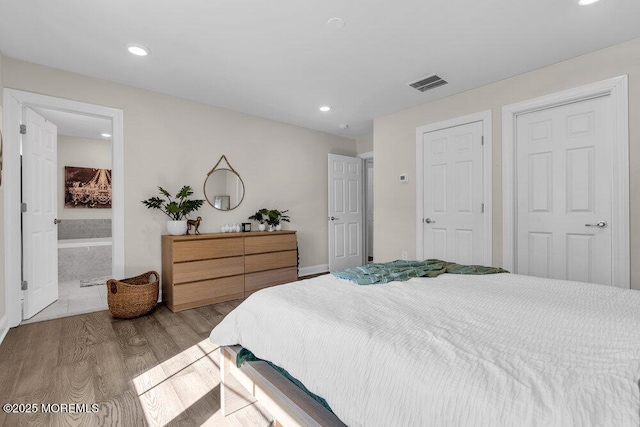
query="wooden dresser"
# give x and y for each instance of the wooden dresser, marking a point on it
(210, 268)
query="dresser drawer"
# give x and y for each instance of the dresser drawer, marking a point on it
(276, 242)
(194, 250)
(197, 294)
(270, 261)
(207, 269)
(211, 268)
(255, 281)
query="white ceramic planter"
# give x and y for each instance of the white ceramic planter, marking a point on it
(262, 227)
(278, 227)
(177, 228)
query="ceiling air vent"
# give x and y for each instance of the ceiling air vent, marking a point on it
(428, 83)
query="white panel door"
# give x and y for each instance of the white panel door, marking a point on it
(564, 187)
(345, 212)
(452, 215)
(39, 229)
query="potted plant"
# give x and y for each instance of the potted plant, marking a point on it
(274, 217)
(260, 216)
(175, 208)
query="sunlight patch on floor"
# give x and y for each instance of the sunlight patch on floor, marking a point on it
(179, 383)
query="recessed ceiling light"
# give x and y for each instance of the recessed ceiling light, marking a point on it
(587, 2)
(335, 23)
(105, 135)
(324, 108)
(138, 50)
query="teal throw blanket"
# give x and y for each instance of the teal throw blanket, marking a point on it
(376, 273)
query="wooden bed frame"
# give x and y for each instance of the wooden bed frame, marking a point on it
(254, 381)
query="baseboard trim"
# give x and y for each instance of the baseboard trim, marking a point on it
(313, 269)
(4, 327)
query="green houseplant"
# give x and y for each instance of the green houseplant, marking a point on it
(272, 217)
(261, 217)
(176, 208)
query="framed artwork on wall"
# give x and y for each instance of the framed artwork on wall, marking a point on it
(87, 187)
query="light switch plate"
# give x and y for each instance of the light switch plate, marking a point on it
(404, 178)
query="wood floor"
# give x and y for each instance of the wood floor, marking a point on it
(160, 369)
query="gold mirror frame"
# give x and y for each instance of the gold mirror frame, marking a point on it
(216, 200)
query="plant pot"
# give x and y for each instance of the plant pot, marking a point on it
(262, 227)
(278, 227)
(177, 228)
(271, 228)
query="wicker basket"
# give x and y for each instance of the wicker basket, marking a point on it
(129, 298)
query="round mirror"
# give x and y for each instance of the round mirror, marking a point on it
(224, 189)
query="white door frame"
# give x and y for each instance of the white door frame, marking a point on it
(485, 118)
(616, 88)
(13, 101)
(365, 239)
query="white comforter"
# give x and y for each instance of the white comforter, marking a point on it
(495, 350)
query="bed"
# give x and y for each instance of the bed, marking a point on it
(493, 350)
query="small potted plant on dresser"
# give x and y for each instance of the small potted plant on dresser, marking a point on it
(176, 208)
(275, 218)
(261, 217)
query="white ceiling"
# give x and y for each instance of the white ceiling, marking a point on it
(279, 59)
(73, 124)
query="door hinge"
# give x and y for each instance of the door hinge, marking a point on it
(24, 285)
(482, 208)
(482, 140)
(23, 129)
(23, 207)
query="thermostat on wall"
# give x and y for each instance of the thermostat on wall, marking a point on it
(404, 177)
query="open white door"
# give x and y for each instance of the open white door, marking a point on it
(39, 223)
(345, 212)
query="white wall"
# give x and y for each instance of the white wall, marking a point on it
(171, 142)
(2, 291)
(395, 143)
(365, 143)
(81, 152)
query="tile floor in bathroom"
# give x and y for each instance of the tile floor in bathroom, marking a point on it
(72, 300)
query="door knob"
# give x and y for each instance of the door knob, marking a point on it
(599, 224)
(429, 221)
(56, 221)
(333, 218)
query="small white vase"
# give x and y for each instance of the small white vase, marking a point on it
(177, 228)
(278, 227)
(261, 227)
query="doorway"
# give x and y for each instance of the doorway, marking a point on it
(79, 192)
(368, 208)
(566, 185)
(15, 102)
